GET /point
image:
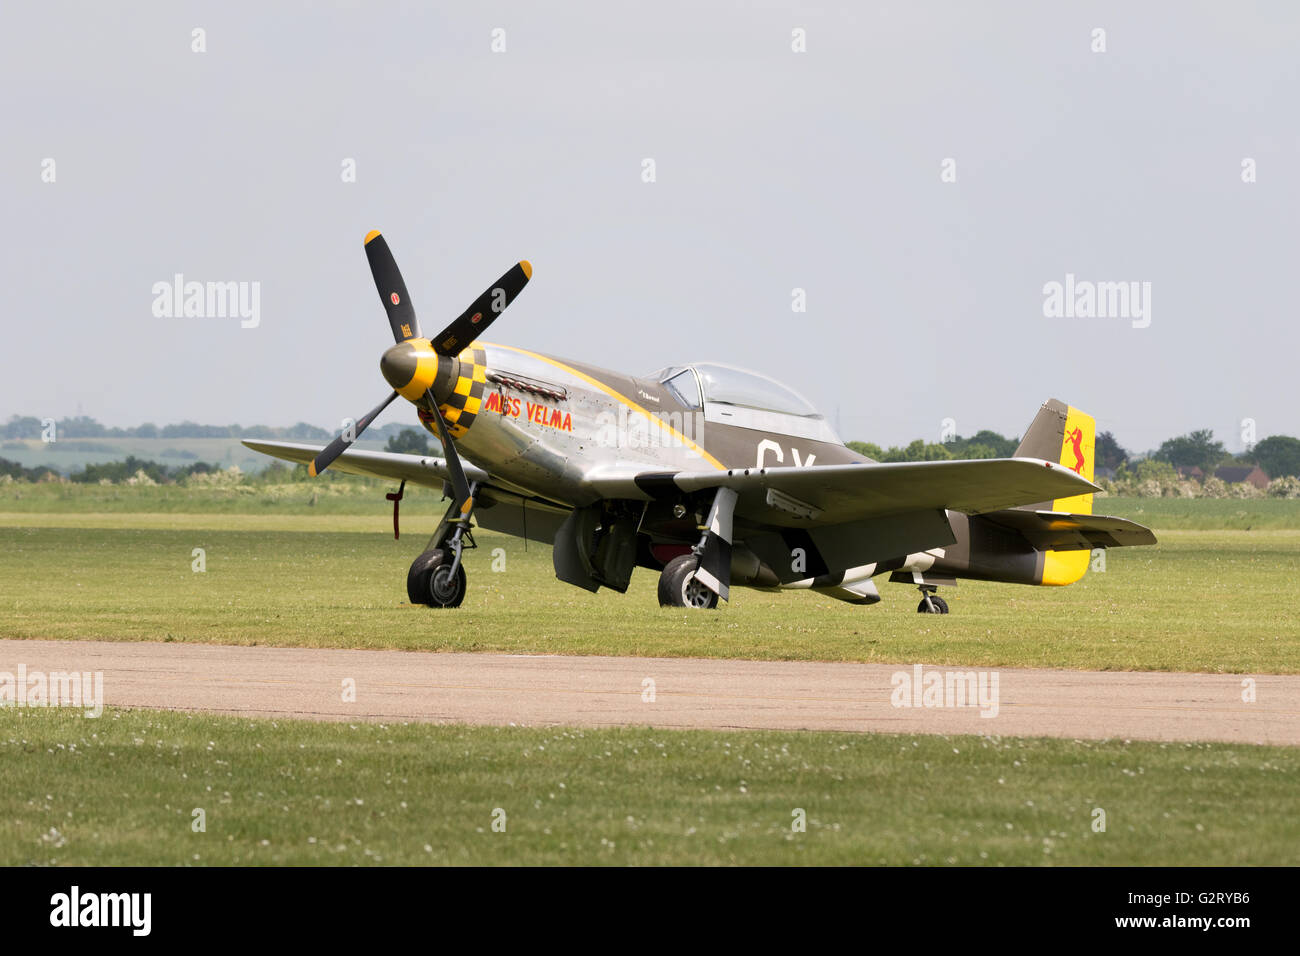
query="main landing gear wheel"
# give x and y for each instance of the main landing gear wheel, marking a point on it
(430, 580)
(932, 604)
(679, 588)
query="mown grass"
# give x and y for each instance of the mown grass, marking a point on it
(116, 563)
(348, 495)
(331, 495)
(1205, 514)
(1211, 601)
(122, 790)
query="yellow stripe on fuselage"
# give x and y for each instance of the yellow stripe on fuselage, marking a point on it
(1079, 442)
(618, 397)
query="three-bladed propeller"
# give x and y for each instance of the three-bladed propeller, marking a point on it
(449, 343)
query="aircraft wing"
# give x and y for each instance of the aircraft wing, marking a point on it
(501, 507)
(1059, 531)
(833, 494)
(417, 469)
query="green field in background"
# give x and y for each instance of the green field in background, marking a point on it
(1205, 514)
(333, 495)
(1199, 601)
(338, 495)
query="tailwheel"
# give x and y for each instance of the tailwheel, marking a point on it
(679, 588)
(931, 603)
(436, 579)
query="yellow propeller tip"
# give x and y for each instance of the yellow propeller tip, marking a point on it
(311, 469)
(527, 267)
(370, 235)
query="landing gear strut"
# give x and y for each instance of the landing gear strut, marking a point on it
(679, 585)
(437, 577)
(701, 578)
(931, 603)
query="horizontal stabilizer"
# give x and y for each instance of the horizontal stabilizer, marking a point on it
(1060, 531)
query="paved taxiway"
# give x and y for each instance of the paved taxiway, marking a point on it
(613, 691)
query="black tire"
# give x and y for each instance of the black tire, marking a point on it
(429, 582)
(678, 587)
(417, 578)
(940, 606)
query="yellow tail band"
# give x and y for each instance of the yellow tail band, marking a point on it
(1078, 444)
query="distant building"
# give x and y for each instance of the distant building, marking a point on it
(1233, 474)
(1190, 472)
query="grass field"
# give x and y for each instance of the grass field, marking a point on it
(122, 790)
(71, 454)
(333, 495)
(348, 495)
(1205, 514)
(317, 566)
(1202, 600)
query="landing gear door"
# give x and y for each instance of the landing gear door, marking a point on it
(597, 545)
(571, 548)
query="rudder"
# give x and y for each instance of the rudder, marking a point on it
(1064, 434)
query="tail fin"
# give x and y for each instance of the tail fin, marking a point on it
(1062, 433)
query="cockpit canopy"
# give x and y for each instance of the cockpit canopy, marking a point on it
(727, 385)
(735, 396)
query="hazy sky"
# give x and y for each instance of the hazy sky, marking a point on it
(775, 170)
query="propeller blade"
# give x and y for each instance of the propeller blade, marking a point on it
(392, 290)
(459, 483)
(339, 445)
(484, 310)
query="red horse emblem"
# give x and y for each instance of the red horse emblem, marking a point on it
(1075, 438)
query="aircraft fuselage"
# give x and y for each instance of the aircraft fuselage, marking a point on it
(545, 425)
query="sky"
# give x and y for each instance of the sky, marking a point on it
(920, 170)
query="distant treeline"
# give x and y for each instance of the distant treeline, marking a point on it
(136, 471)
(1196, 455)
(1277, 455)
(985, 444)
(27, 426)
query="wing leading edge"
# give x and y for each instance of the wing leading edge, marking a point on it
(417, 469)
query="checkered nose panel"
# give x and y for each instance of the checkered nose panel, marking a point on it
(462, 407)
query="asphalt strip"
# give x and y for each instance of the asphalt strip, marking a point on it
(551, 690)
